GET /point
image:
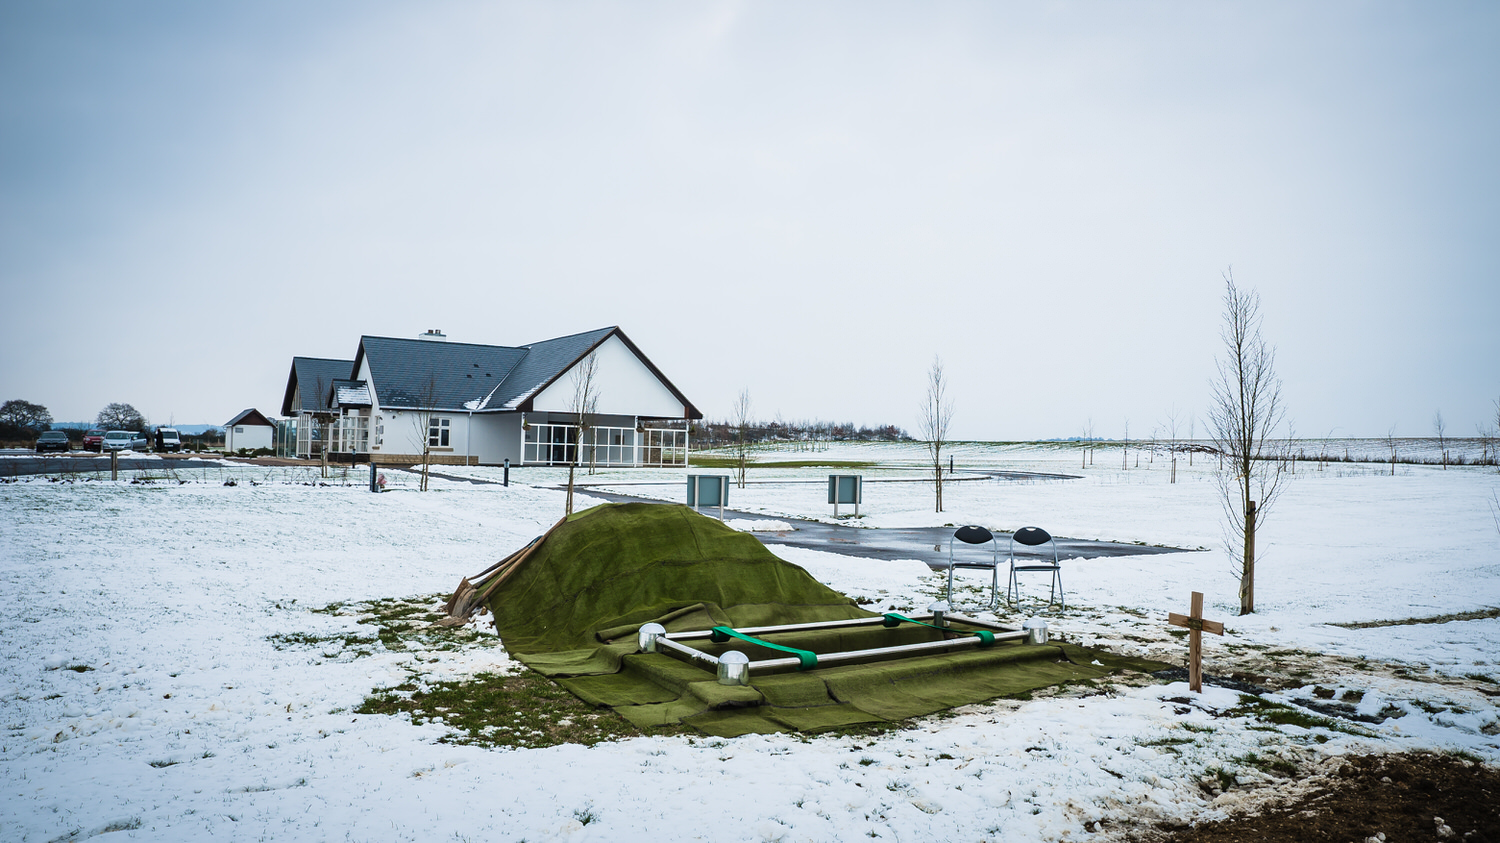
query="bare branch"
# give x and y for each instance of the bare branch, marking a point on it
(936, 414)
(1244, 412)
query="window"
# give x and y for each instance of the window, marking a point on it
(239, 429)
(437, 432)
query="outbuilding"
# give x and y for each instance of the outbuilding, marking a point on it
(248, 430)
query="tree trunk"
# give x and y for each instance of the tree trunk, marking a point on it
(1247, 578)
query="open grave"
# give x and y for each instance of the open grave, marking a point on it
(670, 617)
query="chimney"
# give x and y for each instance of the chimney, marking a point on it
(435, 335)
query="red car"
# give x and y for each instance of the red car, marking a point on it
(94, 441)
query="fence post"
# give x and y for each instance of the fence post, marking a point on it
(114, 465)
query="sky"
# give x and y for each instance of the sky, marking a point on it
(808, 202)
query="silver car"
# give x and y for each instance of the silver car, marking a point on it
(125, 440)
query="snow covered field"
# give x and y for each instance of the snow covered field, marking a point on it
(143, 693)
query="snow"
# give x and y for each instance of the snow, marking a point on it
(142, 693)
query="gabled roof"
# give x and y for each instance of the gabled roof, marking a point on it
(453, 376)
(318, 375)
(548, 360)
(251, 416)
(426, 374)
(544, 363)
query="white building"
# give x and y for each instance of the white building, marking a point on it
(248, 430)
(484, 404)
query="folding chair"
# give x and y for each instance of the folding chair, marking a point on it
(1034, 537)
(977, 535)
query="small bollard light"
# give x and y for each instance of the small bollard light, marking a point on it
(1036, 631)
(646, 638)
(507, 471)
(374, 480)
(734, 668)
(939, 611)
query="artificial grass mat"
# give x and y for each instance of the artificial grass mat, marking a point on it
(571, 612)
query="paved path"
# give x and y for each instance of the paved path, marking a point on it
(927, 544)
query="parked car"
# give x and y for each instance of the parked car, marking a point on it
(125, 440)
(93, 440)
(52, 440)
(167, 439)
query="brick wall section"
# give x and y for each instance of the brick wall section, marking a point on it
(416, 459)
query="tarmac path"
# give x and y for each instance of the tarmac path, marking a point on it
(926, 544)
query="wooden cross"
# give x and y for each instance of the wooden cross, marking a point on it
(1198, 626)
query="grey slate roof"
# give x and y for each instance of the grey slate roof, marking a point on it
(454, 376)
(412, 373)
(544, 362)
(318, 375)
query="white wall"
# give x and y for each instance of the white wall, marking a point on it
(624, 384)
(406, 431)
(497, 437)
(254, 436)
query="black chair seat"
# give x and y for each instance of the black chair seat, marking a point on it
(1034, 537)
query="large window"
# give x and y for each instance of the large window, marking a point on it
(557, 444)
(438, 432)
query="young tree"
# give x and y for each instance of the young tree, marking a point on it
(1088, 442)
(425, 433)
(1172, 440)
(936, 414)
(1125, 452)
(742, 428)
(119, 416)
(583, 406)
(1246, 409)
(1390, 441)
(1439, 428)
(323, 415)
(21, 419)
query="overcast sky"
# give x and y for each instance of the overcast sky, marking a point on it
(805, 200)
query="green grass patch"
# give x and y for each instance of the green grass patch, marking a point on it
(524, 710)
(731, 462)
(1268, 764)
(1281, 714)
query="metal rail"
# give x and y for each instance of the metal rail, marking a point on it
(655, 639)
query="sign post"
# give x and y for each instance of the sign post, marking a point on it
(708, 490)
(845, 488)
(1197, 626)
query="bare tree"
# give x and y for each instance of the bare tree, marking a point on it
(1246, 409)
(936, 414)
(1172, 440)
(1125, 452)
(1390, 441)
(427, 432)
(1192, 422)
(1088, 441)
(322, 414)
(584, 404)
(742, 439)
(117, 416)
(25, 417)
(1439, 428)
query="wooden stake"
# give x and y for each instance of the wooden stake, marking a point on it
(1196, 625)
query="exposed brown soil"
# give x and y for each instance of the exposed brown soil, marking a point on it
(1407, 797)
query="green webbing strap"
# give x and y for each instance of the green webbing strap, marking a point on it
(807, 659)
(986, 638)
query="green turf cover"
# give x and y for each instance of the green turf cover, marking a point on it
(572, 610)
